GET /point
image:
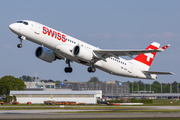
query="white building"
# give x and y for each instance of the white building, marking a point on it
(38, 97)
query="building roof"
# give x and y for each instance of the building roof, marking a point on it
(51, 92)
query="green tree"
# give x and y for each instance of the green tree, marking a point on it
(8, 83)
(174, 87)
(94, 79)
(156, 87)
(57, 81)
(26, 78)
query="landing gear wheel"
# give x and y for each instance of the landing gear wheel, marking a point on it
(68, 69)
(91, 69)
(19, 45)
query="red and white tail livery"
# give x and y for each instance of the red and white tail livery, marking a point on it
(145, 60)
(57, 45)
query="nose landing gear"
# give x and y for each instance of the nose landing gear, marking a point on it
(21, 39)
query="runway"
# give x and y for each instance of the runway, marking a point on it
(71, 113)
(43, 115)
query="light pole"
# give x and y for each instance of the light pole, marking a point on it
(138, 87)
(170, 87)
(177, 87)
(144, 86)
(132, 87)
(161, 88)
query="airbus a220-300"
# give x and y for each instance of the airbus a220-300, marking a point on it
(57, 45)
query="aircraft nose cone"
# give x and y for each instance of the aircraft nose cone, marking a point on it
(14, 28)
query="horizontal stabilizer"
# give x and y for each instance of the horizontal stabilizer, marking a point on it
(158, 73)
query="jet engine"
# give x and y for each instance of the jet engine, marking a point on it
(45, 54)
(82, 53)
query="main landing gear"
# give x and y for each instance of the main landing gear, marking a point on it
(92, 68)
(68, 69)
(21, 39)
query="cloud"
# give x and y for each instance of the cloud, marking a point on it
(167, 36)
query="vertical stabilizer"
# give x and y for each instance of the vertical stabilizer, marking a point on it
(144, 60)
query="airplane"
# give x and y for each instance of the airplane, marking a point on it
(58, 45)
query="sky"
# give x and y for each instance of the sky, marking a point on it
(107, 24)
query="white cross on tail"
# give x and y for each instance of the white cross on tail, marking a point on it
(149, 55)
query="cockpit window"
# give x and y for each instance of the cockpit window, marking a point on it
(19, 22)
(26, 23)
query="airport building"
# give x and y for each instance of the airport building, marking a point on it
(38, 97)
(108, 88)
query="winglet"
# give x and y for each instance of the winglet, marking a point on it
(164, 47)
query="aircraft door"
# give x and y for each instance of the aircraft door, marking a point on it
(37, 28)
(130, 67)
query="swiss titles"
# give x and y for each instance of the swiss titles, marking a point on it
(54, 34)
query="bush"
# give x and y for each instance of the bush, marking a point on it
(10, 99)
(116, 101)
(133, 100)
(145, 101)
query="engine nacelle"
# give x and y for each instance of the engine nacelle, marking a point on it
(82, 53)
(45, 54)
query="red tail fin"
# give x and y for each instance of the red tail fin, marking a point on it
(147, 58)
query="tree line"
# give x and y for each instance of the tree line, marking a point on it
(155, 86)
(8, 83)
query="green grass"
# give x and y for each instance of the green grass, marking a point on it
(157, 102)
(163, 102)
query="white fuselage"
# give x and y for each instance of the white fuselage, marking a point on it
(48, 37)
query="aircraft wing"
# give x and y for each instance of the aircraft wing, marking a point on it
(102, 54)
(159, 73)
